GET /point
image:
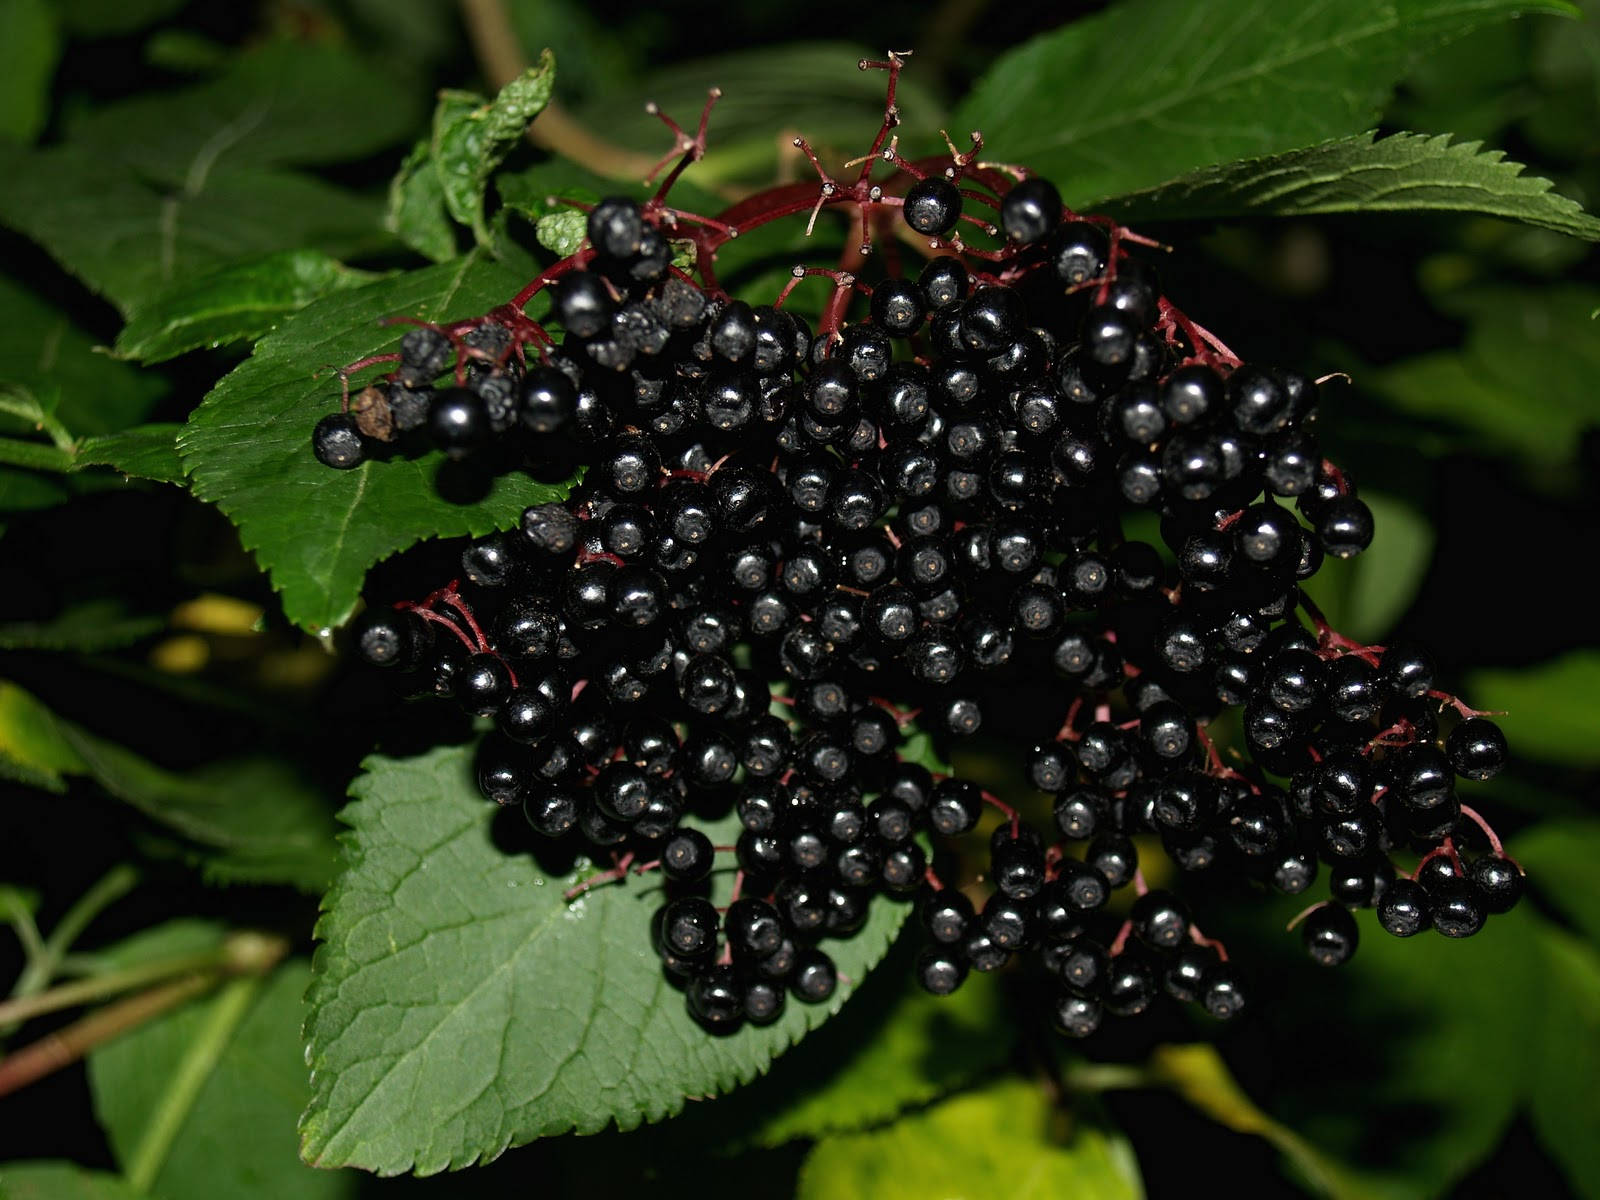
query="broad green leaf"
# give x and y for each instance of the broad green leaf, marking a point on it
(281, 103)
(130, 239)
(235, 303)
(30, 44)
(1561, 1082)
(28, 491)
(1559, 857)
(1406, 172)
(315, 531)
(104, 624)
(416, 213)
(61, 1181)
(1364, 596)
(1549, 709)
(470, 139)
(110, 18)
(460, 1005)
(1005, 1139)
(1199, 1074)
(894, 1049)
(251, 820)
(1387, 1086)
(769, 95)
(237, 1138)
(1150, 89)
(42, 350)
(1523, 382)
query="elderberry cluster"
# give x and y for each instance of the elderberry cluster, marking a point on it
(792, 550)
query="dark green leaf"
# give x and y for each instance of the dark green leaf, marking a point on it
(130, 239)
(110, 18)
(316, 530)
(461, 1006)
(471, 138)
(61, 1181)
(252, 820)
(96, 625)
(281, 103)
(1524, 380)
(1392, 1024)
(235, 303)
(896, 1048)
(238, 1137)
(1559, 857)
(769, 94)
(416, 212)
(1199, 1074)
(964, 1148)
(43, 351)
(1150, 89)
(30, 44)
(1549, 709)
(1363, 597)
(1406, 172)
(1567, 1059)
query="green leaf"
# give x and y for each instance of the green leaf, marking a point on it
(894, 1049)
(237, 1138)
(104, 624)
(1150, 89)
(61, 1181)
(966, 1148)
(30, 44)
(279, 104)
(180, 937)
(143, 452)
(470, 138)
(43, 351)
(32, 746)
(1523, 382)
(111, 18)
(769, 94)
(1198, 1074)
(315, 530)
(1364, 596)
(1567, 1059)
(461, 1006)
(1559, 857)
(1406, 172)
(1549, 709)
(252, 820)
(563, 232)
(235, 303)
(1395, 1021)
(130, 239)
(416, 213)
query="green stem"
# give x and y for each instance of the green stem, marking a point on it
(227, 1011)
(35, 455)
(98, 987)
(110, 888)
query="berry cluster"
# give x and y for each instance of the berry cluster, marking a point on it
(793, 547)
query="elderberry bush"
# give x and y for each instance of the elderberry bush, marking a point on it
(795, 546)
